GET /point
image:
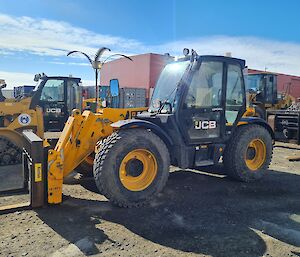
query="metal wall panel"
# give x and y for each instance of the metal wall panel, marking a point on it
(132, 97)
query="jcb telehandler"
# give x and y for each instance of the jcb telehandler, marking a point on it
(195, 119)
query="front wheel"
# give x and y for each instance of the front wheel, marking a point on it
(131, 167)
(248, 154)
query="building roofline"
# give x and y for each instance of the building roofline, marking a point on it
(272, 72)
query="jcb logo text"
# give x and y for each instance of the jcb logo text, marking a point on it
(53, 110)
(205, 124)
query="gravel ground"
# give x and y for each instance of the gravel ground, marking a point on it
(196, 215)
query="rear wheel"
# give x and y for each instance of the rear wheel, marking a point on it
(248, 155)
(131, 167)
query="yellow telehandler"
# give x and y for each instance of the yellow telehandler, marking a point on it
(195, 118)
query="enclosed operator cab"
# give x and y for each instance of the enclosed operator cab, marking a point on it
(57, 96)
(197, 103)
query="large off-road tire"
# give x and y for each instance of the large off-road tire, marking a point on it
(131, 167)
(248, 155)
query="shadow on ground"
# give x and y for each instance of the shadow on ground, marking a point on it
(195, 213)
(288, 146)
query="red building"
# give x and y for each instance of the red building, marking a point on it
(143, 72)
(285, 83)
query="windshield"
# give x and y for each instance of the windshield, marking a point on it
(165, 89)
(255, 83)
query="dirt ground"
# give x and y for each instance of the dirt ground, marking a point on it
(197, 214)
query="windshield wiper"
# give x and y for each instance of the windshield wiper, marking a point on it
(166, 101)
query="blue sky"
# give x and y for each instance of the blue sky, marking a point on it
(36, 35)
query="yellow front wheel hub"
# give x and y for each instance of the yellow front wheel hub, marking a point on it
(255, 154)
(138, 169)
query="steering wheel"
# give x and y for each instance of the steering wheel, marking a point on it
(47, 97)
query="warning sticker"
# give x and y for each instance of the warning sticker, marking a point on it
(24, 119)
(38, 172)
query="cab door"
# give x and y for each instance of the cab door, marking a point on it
(235, 103)
(201, 117)
(53, 101)
(74, 96)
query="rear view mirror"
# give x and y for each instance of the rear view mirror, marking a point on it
(114, 87)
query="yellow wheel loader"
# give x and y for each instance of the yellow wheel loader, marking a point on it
(44, 111)
(195, 118)
(262, 93)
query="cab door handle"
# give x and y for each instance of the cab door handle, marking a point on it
(218, 109)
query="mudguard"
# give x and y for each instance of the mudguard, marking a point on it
(257, 120)
(135, 123)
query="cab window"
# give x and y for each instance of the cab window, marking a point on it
(74, 95)
(206, 86)
(53, 90)
(234, 93)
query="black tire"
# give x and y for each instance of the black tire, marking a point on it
(236, 150)
(108, 159)
(259, 112)
(99, 146)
